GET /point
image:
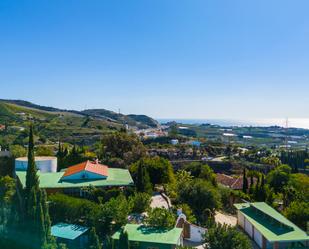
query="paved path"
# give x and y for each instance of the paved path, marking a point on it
(158, 201)
(225, 219)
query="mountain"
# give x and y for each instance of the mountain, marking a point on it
(142, 121)
(139, 121)
(54, 124)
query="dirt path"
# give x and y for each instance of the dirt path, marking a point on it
(225, 219)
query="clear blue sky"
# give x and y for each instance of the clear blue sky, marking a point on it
(164, 58)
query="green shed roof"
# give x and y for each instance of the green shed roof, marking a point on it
(116, 177)
(142, 233)
(68, 231)
(273, 225)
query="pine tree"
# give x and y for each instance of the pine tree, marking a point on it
(94, 242)
(245, 181)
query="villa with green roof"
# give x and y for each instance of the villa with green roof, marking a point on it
(143, 237)
(268, 228)
(73, 179)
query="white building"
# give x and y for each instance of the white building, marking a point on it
(43, 163)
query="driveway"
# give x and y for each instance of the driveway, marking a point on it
(158, 201)
(225, 219)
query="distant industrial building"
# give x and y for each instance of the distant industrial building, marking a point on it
(268, 228)
(44, 164)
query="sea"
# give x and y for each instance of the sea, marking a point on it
(290, 123)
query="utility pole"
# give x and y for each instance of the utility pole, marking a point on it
(286, 133)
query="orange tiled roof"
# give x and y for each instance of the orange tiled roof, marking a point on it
(93, 167)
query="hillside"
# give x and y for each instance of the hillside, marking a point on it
(141, 121)
(52, 124)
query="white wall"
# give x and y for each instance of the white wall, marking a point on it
(44, 165)
(197, 233)
(258, 238)
(241, 219)
(248, 228)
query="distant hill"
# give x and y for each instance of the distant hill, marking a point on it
(131, 119)
(139, 121)
(54, 124)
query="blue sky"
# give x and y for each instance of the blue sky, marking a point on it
(164, 58)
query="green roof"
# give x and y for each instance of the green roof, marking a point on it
(140, 233)
(68, 231)
(116, 177)
(273, 225)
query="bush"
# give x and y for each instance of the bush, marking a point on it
(202, 197)
(160, 217)
(140, 202)
(226, 237)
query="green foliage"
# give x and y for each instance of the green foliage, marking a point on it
(7, 192)
(142, 178)
(93, 240)
(160, 170)
(202, 197)
(245, 181)
(300, 182)
(71, 209)
(271, 160)
(160, 217)
(182, 177)
(140, 202)
(298, 213)
(44, 151)
(279, 177)
(226, 237)
(114, 214)
(121, 149)
(124, 240)
(7, 166)
(201, 170)
(67, 157)
(18, 151)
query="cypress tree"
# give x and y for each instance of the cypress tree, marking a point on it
(147, 183)
(262, 193)
(32, 180)
(245, 181)
(37, 221)
(124, 240)
(143, 183)
(108, 243)
(251, 185)
(93, 242)
(139, 177)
